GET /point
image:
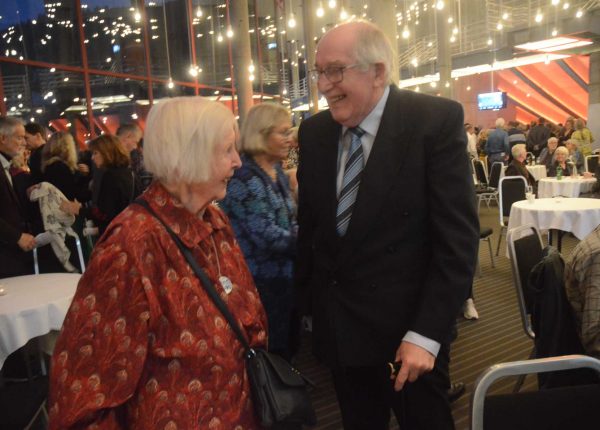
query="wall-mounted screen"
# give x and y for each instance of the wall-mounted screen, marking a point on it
(491, 101)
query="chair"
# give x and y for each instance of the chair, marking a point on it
(591, 163)
(529, 158)
(22, 404)
(485, 235)
(74, 235)
(511, 189)
(573, 407)
(525, 248)
(487, 190)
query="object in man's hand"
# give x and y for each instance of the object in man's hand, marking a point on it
(394, 368)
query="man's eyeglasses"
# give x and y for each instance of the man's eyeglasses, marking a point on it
(334, 74)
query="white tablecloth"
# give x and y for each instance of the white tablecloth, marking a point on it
(33, 306)
(579, 216)
(538, 171)
(567, 187)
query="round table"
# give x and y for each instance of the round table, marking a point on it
(566, 187)
(33, 306)
(578, 216)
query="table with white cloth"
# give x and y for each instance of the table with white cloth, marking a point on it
(566, 187)
(578, 216)
(538, 171)
(32, 306)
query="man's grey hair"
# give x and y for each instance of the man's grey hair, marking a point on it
(8, 124)
(518, 149)
(500, 122)
(553, 140)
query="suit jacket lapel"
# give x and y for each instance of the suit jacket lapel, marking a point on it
(386, 159)
(327, 165)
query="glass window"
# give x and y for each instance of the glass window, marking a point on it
(40, 30)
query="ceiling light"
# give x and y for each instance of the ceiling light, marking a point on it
(554, 44)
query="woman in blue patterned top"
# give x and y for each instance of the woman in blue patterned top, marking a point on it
(261, 208)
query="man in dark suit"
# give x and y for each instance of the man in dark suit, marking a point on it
(387, 260)
(15, 242)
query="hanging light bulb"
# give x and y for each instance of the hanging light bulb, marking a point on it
(566, 6)
(439, 5)
(538, 16)
(332, 4)
(170, 84)
(414, 62)
(199, 12)
(320, 11)
(505, 16)
(137, 16)
(489, 42)
(193, 71)
(499, 26)
(292, 21)
(579, 14)
(251, 68)
(554, 32)
(229, 32)
(405, 32)
(251, 77)
(555, 2)
(343, 14)
(220, 38)
(455, 30)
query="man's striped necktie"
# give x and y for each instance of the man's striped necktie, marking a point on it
(350, 182)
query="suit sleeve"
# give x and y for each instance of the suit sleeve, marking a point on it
(453, 230)
(8, 234)
(306, 223)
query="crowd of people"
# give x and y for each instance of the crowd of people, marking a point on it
(379, 251)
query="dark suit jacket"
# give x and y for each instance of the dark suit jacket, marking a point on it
(407, 259)
(13, 261)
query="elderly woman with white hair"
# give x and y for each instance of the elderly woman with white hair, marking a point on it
(517, 165)
(547, 156)
(560, 162)
(143, 346)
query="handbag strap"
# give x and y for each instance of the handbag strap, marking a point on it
(206, 283)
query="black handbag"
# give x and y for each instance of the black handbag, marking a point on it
(279, 391)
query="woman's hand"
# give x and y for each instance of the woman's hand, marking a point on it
(70, 207)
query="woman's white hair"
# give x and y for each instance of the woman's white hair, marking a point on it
(562, 150)
(180, 137)
(518, 149)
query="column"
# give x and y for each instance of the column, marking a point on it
(311, 46)
(594, 100)
(444, 59)
(383, 13)
(241, 56)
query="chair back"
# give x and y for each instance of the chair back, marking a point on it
(558, 408)
(495, 173)
(591, 162)
(525, 248)
(480, 172)
(512, 189)
(529, 158)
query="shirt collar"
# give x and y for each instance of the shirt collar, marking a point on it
(371, 123)
(5, 161)
(188, 227)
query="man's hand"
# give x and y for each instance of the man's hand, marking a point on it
(70, 207)
(26, 242)
(415, 361)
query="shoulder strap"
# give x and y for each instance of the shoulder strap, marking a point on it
(206, 283)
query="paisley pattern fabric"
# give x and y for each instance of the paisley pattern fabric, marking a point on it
(263, 216)
(143, 346)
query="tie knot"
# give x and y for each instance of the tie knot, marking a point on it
(357, 131)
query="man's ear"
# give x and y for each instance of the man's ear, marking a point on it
(380, 73)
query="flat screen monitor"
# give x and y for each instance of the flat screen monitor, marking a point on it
(491, 101)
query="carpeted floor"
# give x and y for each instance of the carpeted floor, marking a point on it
(496, 337)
